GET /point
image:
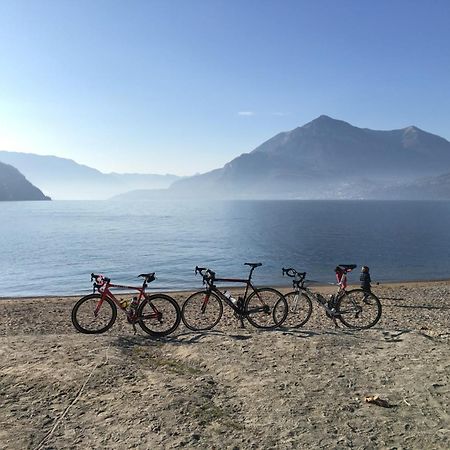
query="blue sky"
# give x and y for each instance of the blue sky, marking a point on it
(183, 86)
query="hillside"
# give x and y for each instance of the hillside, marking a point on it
(14, 186)
(428, 188)
(65, 179)
(325, 158)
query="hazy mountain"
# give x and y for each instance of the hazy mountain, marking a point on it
(14, 186)
(325, 158)
(65, 179)
(429, 188)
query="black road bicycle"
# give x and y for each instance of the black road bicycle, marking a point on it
(262, 307)
(355, 308)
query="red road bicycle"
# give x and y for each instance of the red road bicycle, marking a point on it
(157, 314)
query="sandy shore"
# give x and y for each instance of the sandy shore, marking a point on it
(230, 388)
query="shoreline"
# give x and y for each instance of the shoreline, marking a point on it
(237, 287)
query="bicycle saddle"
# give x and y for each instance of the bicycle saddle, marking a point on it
(348, 266)
(149, 277)
(254, 264)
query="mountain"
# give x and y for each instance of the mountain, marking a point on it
(14, 186)
(65, 179)
(326, 158)
(428, 188)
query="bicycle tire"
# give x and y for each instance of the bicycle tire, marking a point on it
(163, 316)
(81, 314)
(199, 314)
(358, 309)
(299, 309)
(269, 315)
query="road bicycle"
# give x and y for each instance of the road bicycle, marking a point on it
(157, 314)
(355, 308)
(263, 307)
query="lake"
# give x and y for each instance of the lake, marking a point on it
(52, 247)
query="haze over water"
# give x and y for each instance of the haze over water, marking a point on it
(52, 247)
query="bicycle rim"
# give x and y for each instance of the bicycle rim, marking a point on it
(299, 309)
(159, 315)
(359, 309)
(266, 308)
(92, 315)
(202, 311)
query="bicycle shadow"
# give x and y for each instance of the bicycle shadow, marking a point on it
(179, 339)
(427, 307)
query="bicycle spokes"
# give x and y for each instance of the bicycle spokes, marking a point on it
(359, 309)
(154, 314)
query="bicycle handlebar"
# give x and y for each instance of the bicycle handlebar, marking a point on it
(207, 274)
(291, 272)
(94, 277)
(199, 270)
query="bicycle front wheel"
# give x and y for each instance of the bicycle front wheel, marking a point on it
(299, 309)
(92, 315)
(202, 311)
(159, 315)
(359, 309)
(266, 308)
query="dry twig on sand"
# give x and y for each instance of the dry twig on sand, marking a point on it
(80, 391)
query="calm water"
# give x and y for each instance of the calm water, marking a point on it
(52, 247)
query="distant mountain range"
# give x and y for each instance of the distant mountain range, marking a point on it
(324, 159)
(65, 179)
(14, 186)
(329, 159)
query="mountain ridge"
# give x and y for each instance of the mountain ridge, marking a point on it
(64, 178)
(312, 161)
(15, 187)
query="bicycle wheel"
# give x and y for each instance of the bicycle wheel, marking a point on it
(299, 309)
(159, 315)
(266, 308)
(202, 311)
(358, 309)
(91, 315)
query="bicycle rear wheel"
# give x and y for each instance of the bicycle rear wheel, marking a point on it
(92, 315)
(299, 309)
(266, 308)
(358, 309)
(202, 311)
(159, 315)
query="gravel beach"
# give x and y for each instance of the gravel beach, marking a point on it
(229, 388)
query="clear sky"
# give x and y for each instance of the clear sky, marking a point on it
(183, 86)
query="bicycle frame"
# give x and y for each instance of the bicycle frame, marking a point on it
(299, 287)
(318, 298)
(237, 308)
(106, 292)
